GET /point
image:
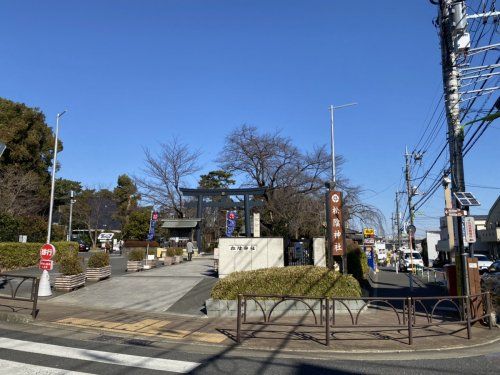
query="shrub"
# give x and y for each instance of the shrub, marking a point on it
(179, 251)
(170, 252)
(309, 281)
(15, 255)
(136, 255)
(70, 265)
(98, 260)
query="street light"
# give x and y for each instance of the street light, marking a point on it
(54, 164)
(332, 109)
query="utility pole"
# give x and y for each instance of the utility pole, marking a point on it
(398, 219)
(449, 219)
(454, 39)
(70, 223)
(409, 189)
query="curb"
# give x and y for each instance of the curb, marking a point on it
(292, 352)
(13, 317)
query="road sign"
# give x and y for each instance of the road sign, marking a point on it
(46, 265)
(47, 251)
(454, 212)
(470, 229)
(368, 232)
(105, 236)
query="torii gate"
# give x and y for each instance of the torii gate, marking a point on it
(246, 205)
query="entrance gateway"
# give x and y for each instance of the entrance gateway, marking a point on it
(224, 202)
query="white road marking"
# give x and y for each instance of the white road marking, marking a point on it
(160, 364)
(16, 368)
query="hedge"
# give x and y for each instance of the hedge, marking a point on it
(136, 243)
(14, 255)
(309, 281)
(357, 263)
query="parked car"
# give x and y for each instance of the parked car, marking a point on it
(82, 246)
(490, 282)
(483, 262)
(406, 261)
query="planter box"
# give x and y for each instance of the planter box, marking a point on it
(167, 261)
(70, 282)
(151, 263)
(177, 258)
(134, 265)
(96, 274)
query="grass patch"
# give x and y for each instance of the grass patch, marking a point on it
(309, 281)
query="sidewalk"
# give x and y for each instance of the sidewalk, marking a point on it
(164, 306)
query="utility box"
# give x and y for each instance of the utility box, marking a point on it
(474, 277)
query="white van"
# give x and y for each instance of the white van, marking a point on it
(405, 260)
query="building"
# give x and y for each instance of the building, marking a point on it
(479, 246)
(490, 233)
(432, 238)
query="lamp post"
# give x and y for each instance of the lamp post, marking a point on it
(332, 110)
(71, 203)
(54, 165)
(335, 222)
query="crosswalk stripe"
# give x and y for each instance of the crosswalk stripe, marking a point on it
(16, 368)
(160, 364)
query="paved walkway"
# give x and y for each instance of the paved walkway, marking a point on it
(166, 305)
(181, 288)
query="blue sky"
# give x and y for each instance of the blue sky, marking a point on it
(136, 73)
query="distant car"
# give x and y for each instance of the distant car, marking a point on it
(439, 263)
(406, 261)
(82, 246)
(483, 262)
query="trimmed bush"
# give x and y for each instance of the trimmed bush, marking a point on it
(170, 252)
(69, 265)
(134, 243)
(179, 251)
(309, 281)
(15, 255)
(98, 260)
(136, 255)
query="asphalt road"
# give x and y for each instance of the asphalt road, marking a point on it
(24, 352)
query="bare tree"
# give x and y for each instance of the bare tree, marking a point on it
(90, 209)
(19, 192)
(295, 181)
(165, 174)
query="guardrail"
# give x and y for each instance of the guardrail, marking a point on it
(408, 313)
(7, 279)
(430, 274)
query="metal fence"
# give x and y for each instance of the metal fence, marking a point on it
(15, 283)
(403, 313)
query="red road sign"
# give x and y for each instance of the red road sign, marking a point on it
(46, 265)
(47, 251)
